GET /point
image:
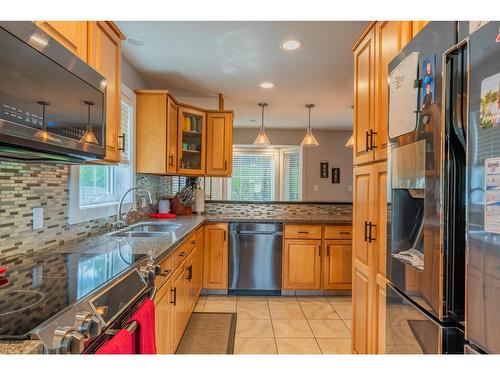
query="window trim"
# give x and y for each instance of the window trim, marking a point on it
(98, 211)
(282, 151)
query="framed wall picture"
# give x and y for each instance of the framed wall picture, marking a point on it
(323, 168)
(336, 175)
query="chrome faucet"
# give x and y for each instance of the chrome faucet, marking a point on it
(123, 222)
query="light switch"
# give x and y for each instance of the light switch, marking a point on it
(316, 187)
(350, 188)
(37, 218)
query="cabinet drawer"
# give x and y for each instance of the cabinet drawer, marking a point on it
(303, 231)
(183, 250)
(338, 232)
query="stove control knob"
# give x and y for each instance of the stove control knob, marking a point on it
(68, 341)
(88, 324)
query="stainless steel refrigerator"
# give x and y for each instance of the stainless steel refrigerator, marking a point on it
(483, 192)
(426, 193)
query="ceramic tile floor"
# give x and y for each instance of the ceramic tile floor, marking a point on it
(286, 325)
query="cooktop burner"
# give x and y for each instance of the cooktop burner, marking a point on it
(42, 284)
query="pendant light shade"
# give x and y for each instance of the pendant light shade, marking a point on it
(350, 141)
(309, 139)
(262, 138)
(88, 136)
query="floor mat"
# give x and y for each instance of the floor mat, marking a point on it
(209, 333)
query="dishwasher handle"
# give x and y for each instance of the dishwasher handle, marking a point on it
(246, 232)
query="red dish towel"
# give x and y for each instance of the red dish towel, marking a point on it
(145, 318)
(121, 343)
(163, 216)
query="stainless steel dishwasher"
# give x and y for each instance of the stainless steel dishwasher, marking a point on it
(255, 258)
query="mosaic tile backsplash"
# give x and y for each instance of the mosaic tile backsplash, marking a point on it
(26, 186)
(304, 210)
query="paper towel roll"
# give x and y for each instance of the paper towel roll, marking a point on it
(199, 201)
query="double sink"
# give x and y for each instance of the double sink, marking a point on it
(146, 230)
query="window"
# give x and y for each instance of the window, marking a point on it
(260, 174)
(95, 190)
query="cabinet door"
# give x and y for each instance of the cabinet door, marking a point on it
(361, 329)
(198, 266)
(105, 57)
(363, 98)
(179, 303)
(302, 264)
(215, 262)
(71, 34)
(171, 136)
(379, 341)
(391, 36)
(151, 133)
(379, 212)
(219, 144)
(361, 212)
(191, 141)
(337, 265)
(416, 26)
(163, 319)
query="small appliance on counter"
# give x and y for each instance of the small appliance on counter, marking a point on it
(199, 200)
(164, 206)
(52, 104)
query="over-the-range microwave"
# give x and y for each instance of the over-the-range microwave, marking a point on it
(52, 104)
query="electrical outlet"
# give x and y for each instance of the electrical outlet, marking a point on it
(316, 188)
(350, 188)
(37, 218)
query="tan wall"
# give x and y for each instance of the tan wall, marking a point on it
(331, 148)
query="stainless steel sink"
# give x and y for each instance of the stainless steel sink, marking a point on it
(154, 227)
(140, 234)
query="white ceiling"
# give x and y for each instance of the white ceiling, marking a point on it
(197, 60)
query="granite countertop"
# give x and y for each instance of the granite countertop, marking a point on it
(296, 219)
(157, 248)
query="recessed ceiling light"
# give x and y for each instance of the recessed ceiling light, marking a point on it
(136, 41)
(291, 44)
(267, 85)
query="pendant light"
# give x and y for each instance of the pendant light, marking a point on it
(309, 139)
(262, 138)
(88, 136)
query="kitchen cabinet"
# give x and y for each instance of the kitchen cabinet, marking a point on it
(71, 34)
(179, 301)
(302, 264)
(219, 143)
(104, 55)
(337, 265)
(163, 318)
(156, 132)
(317, 257)
(416, 26)
(361, 301)
(215, 256)
(191, 141)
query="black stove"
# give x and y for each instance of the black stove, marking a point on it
(43, 287)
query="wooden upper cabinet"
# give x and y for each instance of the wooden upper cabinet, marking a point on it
(302, 264)
(156, 132)
(71, 34)
(364, 84)
(391, 37)
(104, 55)
(215, 257)
(219, 143)
(191, 141)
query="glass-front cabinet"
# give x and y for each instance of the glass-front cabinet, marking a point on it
(191, 141)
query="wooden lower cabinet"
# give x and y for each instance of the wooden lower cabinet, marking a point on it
(379, 319)
(163, 318)
(179, 303)
(361, 330)
(337, 265)
(215, 256)
(302, 264)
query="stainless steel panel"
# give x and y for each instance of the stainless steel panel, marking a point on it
(255, 257)
(411, 331)
(416, 197)
(483, 258)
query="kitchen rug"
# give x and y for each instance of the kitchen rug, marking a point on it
(209, 333)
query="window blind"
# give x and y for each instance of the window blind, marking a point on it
(253, 176)
(127, 116)
(291, 172)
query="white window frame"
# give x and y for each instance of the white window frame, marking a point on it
(282, 151)
(76, 214)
